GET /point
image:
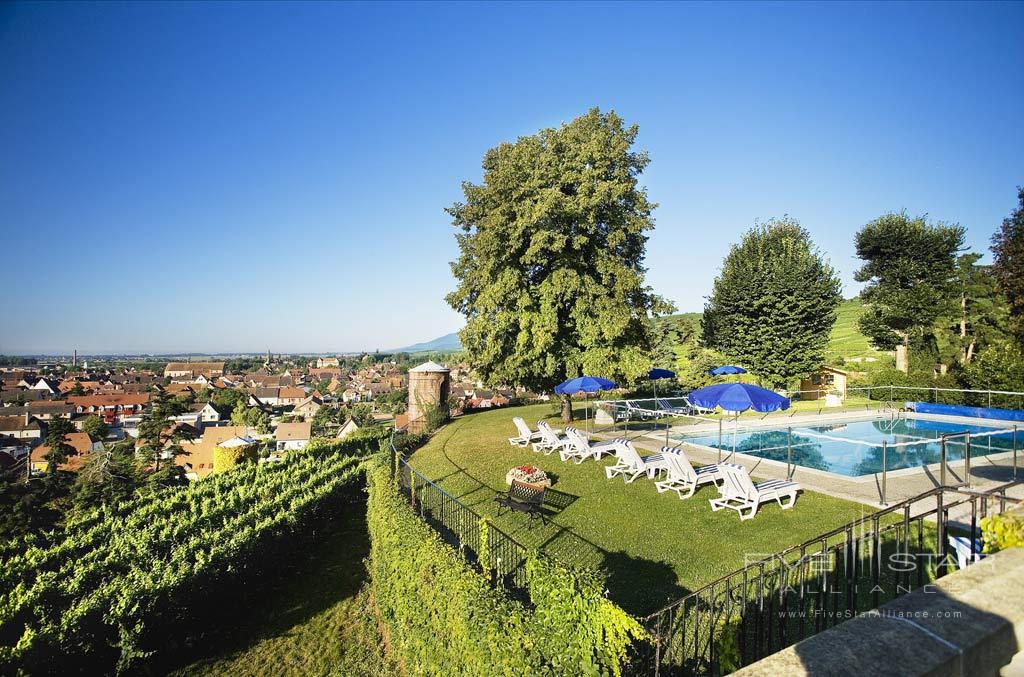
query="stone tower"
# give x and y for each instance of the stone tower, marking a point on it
(429, 385)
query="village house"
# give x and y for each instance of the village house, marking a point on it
(267, 396)
(349, 428)
(46, 410)
(23, 427)
(291, 436)
(322, 362)
(47, 385)
(287, 397)
(308, 407)
(111, 408)
(187, 372)
(80, 442)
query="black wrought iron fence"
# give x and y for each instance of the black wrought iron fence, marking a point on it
(461, 527)
(780, 599)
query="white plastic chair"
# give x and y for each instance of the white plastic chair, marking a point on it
(740, 493)
(683, 477)
(580, 448)
(549, 439)
(526, 436)
(630, 464)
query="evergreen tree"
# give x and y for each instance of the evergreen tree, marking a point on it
(158, 439)
(910, 271)
(980, 315)
(1008, 267)
(57, 430)
(95, 427)
(550, 271)
(774, 304)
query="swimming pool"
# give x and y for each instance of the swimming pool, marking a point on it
(854, 448)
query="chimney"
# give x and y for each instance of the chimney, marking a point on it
(28, 418)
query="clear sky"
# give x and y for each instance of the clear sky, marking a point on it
(221, 177)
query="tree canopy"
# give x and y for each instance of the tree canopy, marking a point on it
(774, 303)
(1008, 267)
(910, 271)
(550, 270)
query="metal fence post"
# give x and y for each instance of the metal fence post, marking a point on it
(990, 399)
(967, 459)
(1014, 452)
(885, 471)
(789, 452)
(942, 463)
(719, 440)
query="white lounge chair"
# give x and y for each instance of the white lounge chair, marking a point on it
(630, 464)
(549, 439)
(526, 436)
(581, 448)
(740, 493)
(667, 407)
(696, 409)
(683, 477)
(967, 550)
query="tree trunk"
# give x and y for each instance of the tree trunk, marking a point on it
(566, 408)
(970, 352)
(902, 352)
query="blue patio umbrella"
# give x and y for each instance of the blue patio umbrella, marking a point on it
(727, 369)
(656, 375)
(738, 397)
(584, 384)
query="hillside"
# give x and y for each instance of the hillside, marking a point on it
(446, 343)
(847, 344)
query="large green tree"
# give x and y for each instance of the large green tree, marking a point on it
(1008, 266)
(550, 270)
(57, 430)
(910, 271)
(774, 303)
(979, 317)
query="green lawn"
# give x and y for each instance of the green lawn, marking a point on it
(654, 546)
(317, 619)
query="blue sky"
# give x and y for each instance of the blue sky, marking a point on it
(217, 177)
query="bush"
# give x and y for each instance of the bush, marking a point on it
(1005, 530)
(998, 368)
(444, 618)
(225, 459)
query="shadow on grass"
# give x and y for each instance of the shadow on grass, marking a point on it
(640, 586)
(316, 580)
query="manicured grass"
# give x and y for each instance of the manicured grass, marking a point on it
(316, 620)
(654, 546)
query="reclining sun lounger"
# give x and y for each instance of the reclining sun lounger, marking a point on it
(581, 448)
(549, 439)
(682, 477)
(740, 493)
(630, 464)
(526, 436)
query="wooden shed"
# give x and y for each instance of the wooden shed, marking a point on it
(822, 382)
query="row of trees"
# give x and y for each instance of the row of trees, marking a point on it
(550, 275)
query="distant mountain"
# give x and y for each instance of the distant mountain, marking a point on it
(446, 343)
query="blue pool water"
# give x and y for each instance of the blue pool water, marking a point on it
(859, 449)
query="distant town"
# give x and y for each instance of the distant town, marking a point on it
(271, 403)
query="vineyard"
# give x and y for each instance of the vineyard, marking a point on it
(108, 588)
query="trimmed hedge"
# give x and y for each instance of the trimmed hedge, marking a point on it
(444, 618)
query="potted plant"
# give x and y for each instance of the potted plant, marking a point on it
(528, 473)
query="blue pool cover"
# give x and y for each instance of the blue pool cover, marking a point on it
(972, 412)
